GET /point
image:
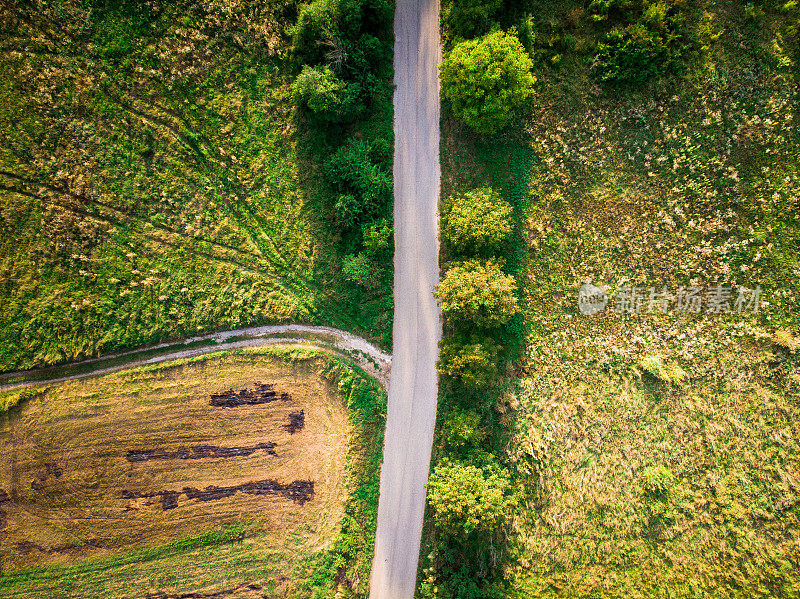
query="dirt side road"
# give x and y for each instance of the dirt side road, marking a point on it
(363, 353)
(417, 328)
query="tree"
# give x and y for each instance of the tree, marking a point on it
(487, 79)
(318, 90)
(478, 220)
(478, 293)
(364, 188)
(470, 364)
(469, 498)
(468, 18)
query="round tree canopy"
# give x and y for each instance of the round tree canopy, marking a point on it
(487, 79)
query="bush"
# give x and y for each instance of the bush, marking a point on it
(378, 237)
(650, 47)
(319, 91)
(364, 189)
(471, 365)
(620, 9)
(468, 498)
(479, 221)
(462, 428)
(469, 18)
(478, 294)
(314, 31)
(667, 372)
(359, 269)
(657, 481)
(348, 209)
(486, 80)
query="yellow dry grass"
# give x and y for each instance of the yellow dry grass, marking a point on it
(86, 428)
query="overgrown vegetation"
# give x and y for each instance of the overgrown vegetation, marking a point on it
(654, 454)
(157, 178)
(344, 50)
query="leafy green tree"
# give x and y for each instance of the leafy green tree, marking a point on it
(321, 92)
(487, 79)
(478, 293)
(479, 220)
(468, 497)
(468, 18)
(470, 364)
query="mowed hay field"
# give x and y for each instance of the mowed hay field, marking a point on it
(87, 515)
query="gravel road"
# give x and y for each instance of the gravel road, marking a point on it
(417, 327)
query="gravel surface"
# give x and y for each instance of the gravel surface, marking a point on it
(417, 326)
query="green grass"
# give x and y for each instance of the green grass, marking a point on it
(151, 182)
(102, 568)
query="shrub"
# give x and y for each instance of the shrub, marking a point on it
(364, 188)
(321, 92)
(486, 80)
(469, 498)
(362, 271)
(602, 9)
(462, 428)
(315, 29)
(378, 237)
(478, 294)
(667, 372)
(470, 364)
(657, 481)
(479, 220)
(348, 209)
(650, 47)
(469, 18)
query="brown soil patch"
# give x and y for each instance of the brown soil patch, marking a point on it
(248, 397)
(133, 460)
(297, 420)
(197, 452)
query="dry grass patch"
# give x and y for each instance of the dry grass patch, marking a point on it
(76, 493)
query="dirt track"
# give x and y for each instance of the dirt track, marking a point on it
(360, 351)
(417, 328)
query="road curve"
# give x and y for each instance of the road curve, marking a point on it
(358, 350)
(417, 326)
